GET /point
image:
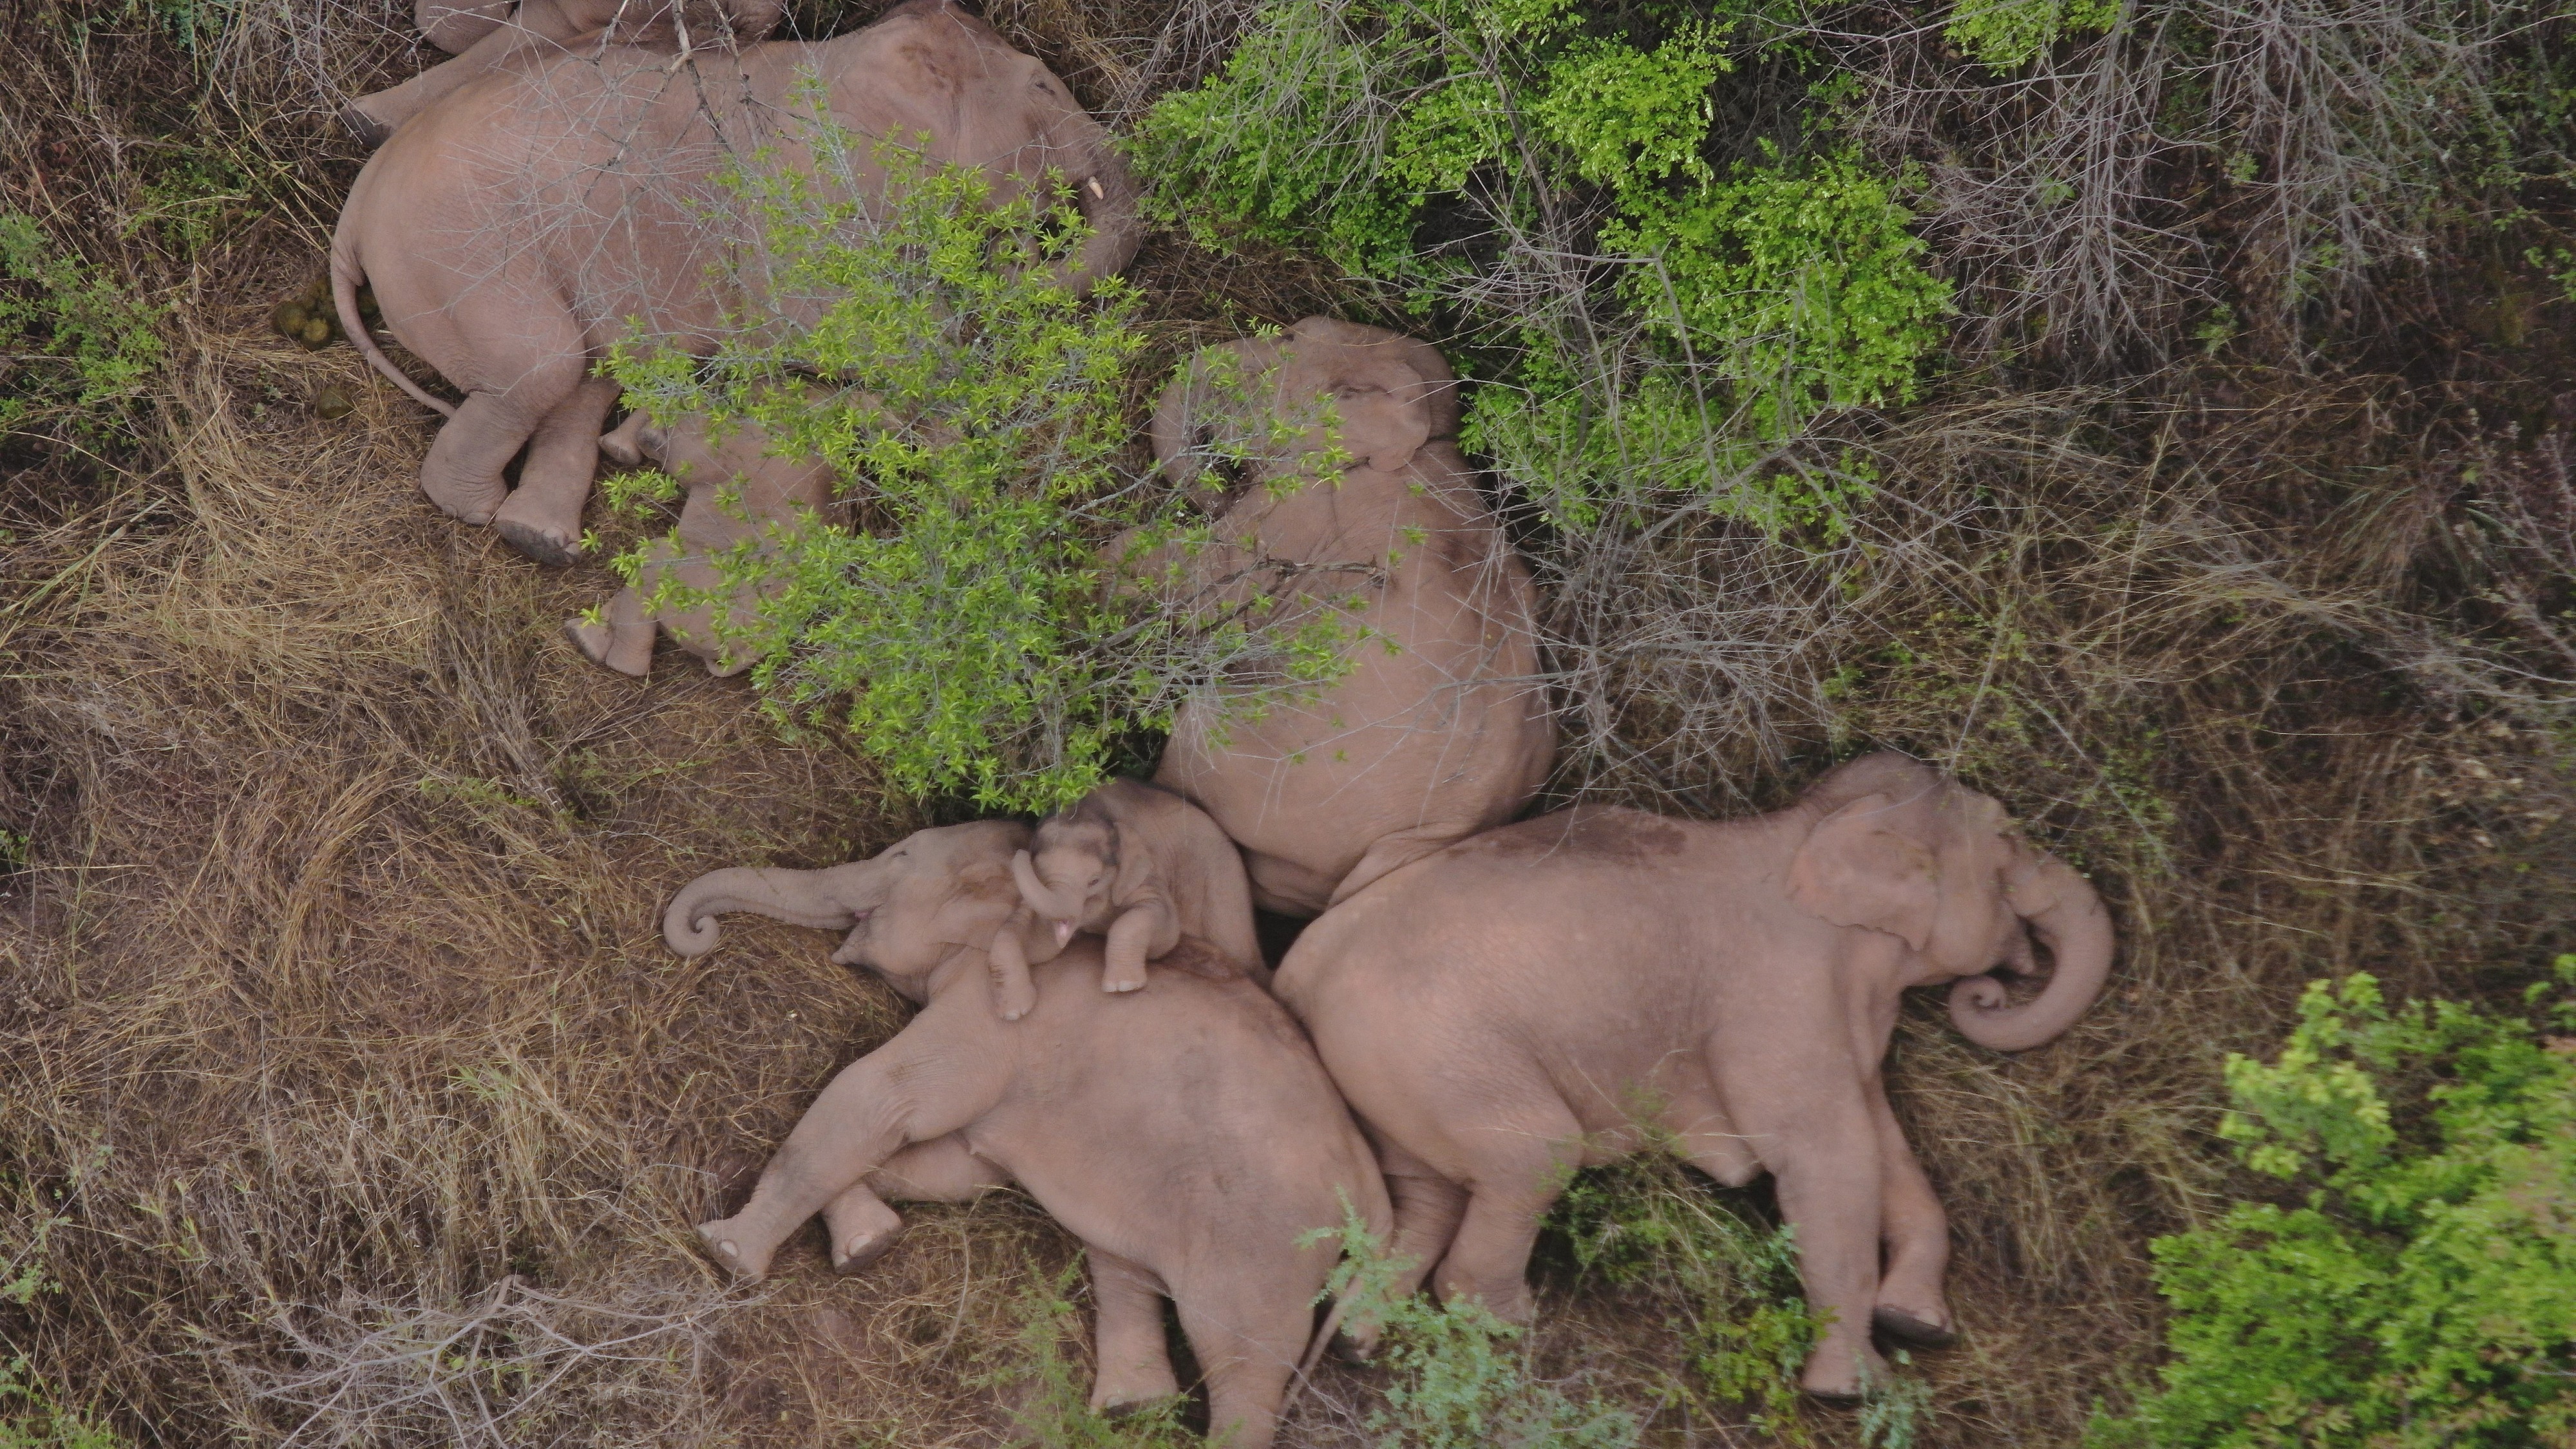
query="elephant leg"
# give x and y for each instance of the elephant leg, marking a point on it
(1135, 1360)
(1822, 1150)
(862, 1227)
(454, 25)
(1131, 938)
(1518, 1177)
(462, 474)
(542, 517)
(1910, 1306)
(372, 118)
(1427, 1208)
(864, 1117)
(1248, 1342)
(1007, 960)
(623, 640)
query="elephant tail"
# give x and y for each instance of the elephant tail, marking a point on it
(346, 274)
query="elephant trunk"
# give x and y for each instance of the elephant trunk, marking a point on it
(1046, 900)
(2068, 917)
(799, 897)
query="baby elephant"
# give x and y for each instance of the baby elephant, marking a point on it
(1141, 866)
(1507, 1010)
(1186, 1135)
(741, 501)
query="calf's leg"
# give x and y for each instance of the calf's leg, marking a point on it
(1135, 1360)
(1910, 1305)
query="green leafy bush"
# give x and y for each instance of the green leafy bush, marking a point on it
(2004, 35)
(77, 350)
(1457, 1376)
(1729, 1286)
(2422, 1289)
(970, 633)
(1659, 322)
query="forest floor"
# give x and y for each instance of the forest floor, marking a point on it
(349, 1096)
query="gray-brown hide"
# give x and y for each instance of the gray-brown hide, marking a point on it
(1558, 992)
(1186, 1134)
(487, 37)
(738, 494)
(1138, 866)
(1441, 727)
(520, 226)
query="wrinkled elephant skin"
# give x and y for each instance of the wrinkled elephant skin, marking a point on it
(1559, 992)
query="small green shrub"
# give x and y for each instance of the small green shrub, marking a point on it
(77, 349)
(2004, 35)
(1440, 148)
(2421, 1291)
(1458, 1377)
(1730, 1287)
(971, 635)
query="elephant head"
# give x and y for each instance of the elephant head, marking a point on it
(1276, 402)
(907, 909)
(1065, 878)
(1900, 847)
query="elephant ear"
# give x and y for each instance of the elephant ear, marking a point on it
(1384, 416)
(1853, 869)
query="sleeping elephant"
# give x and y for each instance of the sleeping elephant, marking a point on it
(1186, 1134)
(1558, 993)
(1354, 505)
(739, 498)
(486, 37)
(542, 212)
(1140, 867)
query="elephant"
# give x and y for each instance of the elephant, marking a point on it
(738, 491)
(1441, 726)
(484, 38)
(1139, 866)
(1186, 1135)
(519, 228)
(1565, 991)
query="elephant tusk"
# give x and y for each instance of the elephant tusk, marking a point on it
(1063, 932)
(1096, 193)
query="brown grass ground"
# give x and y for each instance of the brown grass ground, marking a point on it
(353, 1099)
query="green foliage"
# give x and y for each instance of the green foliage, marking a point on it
(2004, 35)
(1752, 296)
(77, 350)
(2419, 1292)
(970, 637)
(1729, 1286)
(1458, 1377)
(32, 1417)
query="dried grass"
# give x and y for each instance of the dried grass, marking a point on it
(338, 1036)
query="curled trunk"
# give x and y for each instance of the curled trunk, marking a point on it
(2065, 913)
(799, 897)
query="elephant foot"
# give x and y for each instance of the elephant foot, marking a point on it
(723, 1244)
(1842, 1377)
(1118, 981)
(602, 644)
(858, 1253)
(1912, 1329)
(1015, 1000)
(1118, 1409)
(544, 542)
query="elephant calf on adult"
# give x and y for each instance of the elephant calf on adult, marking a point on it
(518, 228)
(1185, 1134)
(1355, 506)
(1561, 992)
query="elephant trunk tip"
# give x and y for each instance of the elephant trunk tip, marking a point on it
(687, 932)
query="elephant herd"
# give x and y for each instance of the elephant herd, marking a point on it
(1477, 1005)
